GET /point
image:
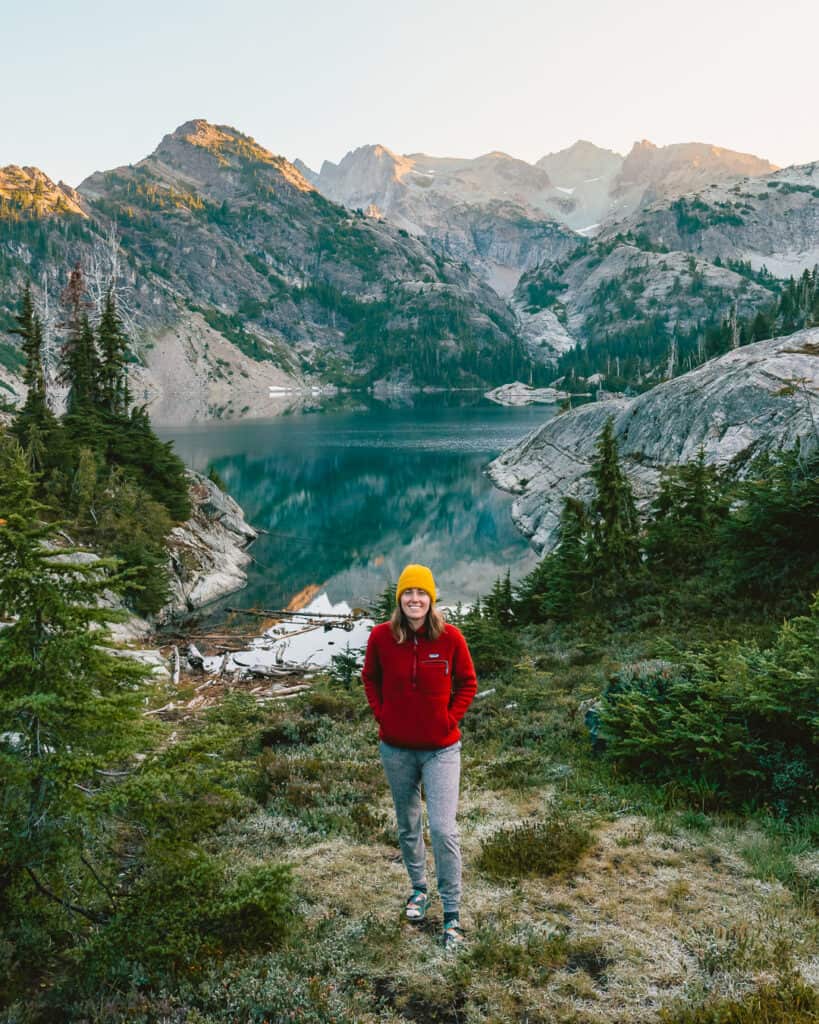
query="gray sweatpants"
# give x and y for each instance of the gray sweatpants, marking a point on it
(440, 773)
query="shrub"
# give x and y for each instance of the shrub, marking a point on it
(733, 722)
(534, 848)
(187, 907)
(493, 647)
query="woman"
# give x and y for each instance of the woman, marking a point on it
(419, 680)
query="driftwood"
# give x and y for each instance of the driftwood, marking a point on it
(285, 692)
(195, 657)
(276, 612)
(158, 711)
(271, 671)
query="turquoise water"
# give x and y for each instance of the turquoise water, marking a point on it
(348, 498)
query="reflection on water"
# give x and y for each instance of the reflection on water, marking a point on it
(349, 498)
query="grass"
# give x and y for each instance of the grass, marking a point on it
(540, 848)
(589, 898)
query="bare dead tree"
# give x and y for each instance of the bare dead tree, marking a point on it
(105, 274)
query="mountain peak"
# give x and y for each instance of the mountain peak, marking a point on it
(218, 138)
(647, 162)
(31, 191)
(227, 145)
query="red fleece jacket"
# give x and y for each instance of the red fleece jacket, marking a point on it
(419, 690)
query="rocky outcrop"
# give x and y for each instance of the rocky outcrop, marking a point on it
(616, 288)
(207, 552)
(517, 393)
(29, 189)
(760, 398)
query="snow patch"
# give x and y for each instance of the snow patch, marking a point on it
(785, 264)
(305, 640)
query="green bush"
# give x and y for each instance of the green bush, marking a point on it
(540, 848)
(736, 721)
(186, 907)
(493, 647)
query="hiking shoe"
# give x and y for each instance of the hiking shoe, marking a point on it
(417, 904)
(454, 937)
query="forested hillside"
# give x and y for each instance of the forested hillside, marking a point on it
(212, 236)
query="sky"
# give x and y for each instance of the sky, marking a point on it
(94, 85)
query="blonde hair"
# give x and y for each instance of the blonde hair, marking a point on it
(401, 629)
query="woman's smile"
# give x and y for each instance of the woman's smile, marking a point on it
(415, 604)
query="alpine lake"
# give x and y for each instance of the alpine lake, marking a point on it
(347, 497)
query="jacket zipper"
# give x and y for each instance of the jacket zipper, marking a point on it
(414, 660)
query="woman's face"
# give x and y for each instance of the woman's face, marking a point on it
(415, 603)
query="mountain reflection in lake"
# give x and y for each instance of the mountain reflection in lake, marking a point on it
(349, 498)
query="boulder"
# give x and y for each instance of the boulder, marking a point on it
(208, 555)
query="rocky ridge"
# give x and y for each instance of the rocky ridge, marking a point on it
(770, 221)
(760, 398)
(212, 235)
(681, 265)
(487, 210)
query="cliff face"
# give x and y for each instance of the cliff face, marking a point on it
(652, 172)
(760, 398)
(580, 188)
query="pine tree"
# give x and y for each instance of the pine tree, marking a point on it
(770, 543)
(34, 422)
(558, 587)
(113, 346)
(30, 330)
(80, 359)
(499, 605)
(68, 707)
(82, 367)
(681, 531)
(384, 605)
(614, 550)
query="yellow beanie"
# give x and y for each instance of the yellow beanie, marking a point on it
(416, 576)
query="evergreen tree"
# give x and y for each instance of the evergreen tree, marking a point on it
(80, 359)
(558, 587)
(81, 367)
(384, 605)
(68, 706)
(29, 328)
(614, 548)
(113, 346)
(770, 543)
(499, 605)
(34, 423)
(682, 531)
